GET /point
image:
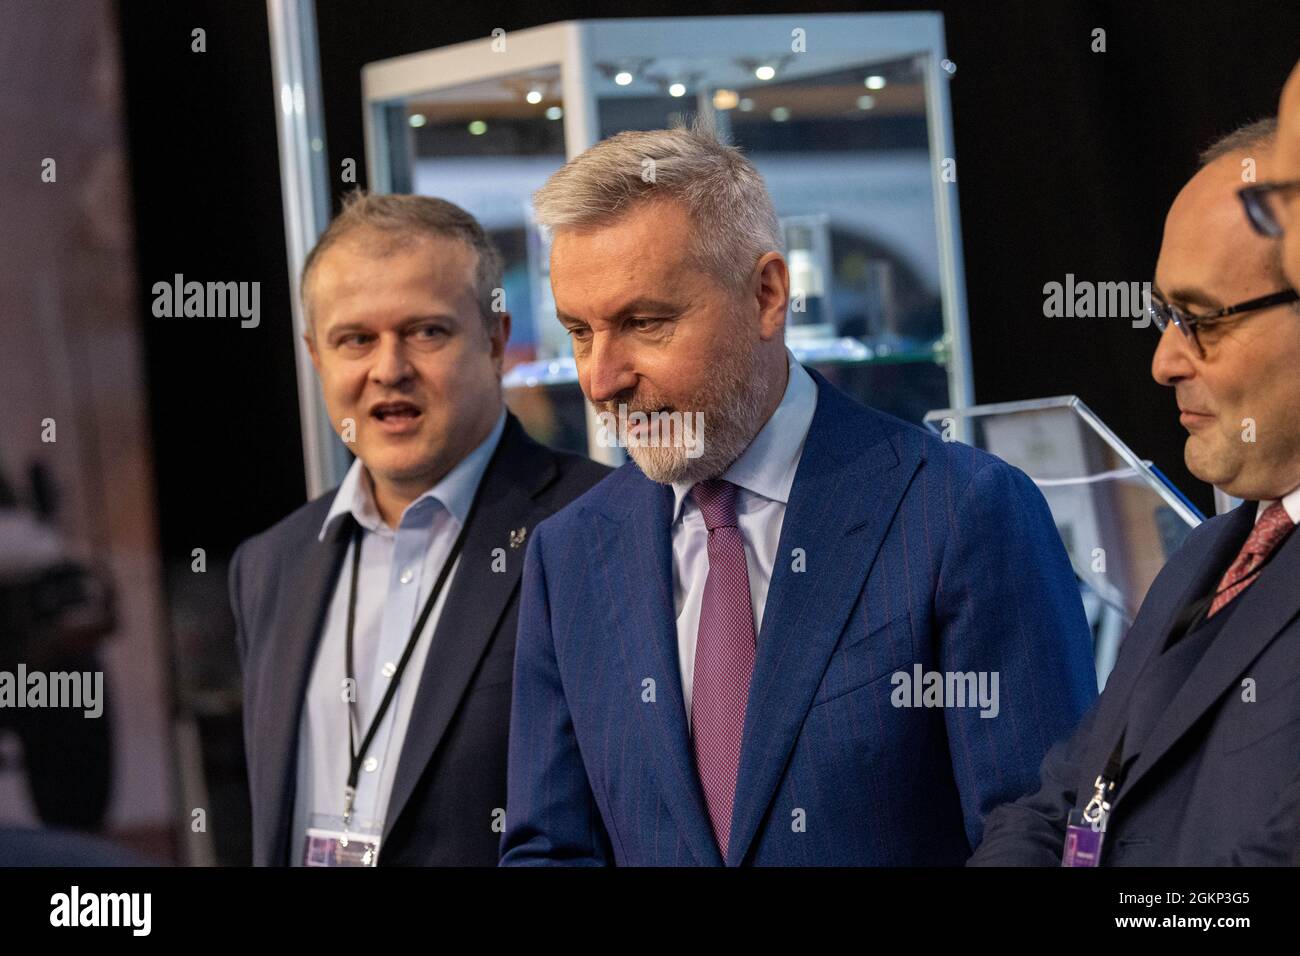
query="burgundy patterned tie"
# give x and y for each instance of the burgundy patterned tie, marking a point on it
(724, 656)
(1270, 529)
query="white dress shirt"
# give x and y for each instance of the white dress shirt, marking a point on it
(1290, 502)
(763, 474)
(399, 567)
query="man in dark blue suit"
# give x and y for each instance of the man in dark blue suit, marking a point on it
(793, 630)
(376, 624)
(1192, 755)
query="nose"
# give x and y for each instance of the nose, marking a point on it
(392, 366)
(1175, 357)
(607, 368)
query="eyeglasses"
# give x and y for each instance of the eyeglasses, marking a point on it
(1263, 203)
(1163, 314)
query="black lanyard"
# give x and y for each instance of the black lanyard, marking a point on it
(356, 756)
(1108, 783)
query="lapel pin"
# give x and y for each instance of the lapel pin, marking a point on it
(517, 538)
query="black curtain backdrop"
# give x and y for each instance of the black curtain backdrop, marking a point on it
(1067, 160)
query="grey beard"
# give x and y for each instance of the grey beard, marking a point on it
(733, 407)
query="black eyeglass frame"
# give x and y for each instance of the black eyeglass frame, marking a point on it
(1255, 199)
(1157, 305)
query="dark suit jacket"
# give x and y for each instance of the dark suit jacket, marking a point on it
(914, 551)
(451, 774)
(1218, 780)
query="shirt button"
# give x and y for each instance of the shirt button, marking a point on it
(389, 669)
(371, 765)
(406, 576)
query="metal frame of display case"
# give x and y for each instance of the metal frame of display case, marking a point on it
(566, 45)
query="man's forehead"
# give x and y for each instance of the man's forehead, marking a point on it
(598, 271)
(1207, 231)
(650, 234)
(1288, 128)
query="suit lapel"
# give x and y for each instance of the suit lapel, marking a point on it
(1204, 569)
(1267, 606)
(476, 600)
(634, 550)
(283, 681)
(848, 485)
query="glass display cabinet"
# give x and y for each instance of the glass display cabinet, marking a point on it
(846, 116)
(1119, 517)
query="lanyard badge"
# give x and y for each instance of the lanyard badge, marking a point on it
(1086, 830)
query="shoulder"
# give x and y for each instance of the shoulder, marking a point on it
(613, 490)
(946, 466)
(289, 535)
(578, 473)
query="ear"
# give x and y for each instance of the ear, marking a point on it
(498, 339)
(772, 291)
(309, 338)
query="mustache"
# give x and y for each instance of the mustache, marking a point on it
(632, 404)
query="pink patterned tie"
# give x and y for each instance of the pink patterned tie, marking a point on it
(724, 656)
(1271, 528)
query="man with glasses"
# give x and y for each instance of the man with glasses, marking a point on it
(1274, 207)
(1191, 756)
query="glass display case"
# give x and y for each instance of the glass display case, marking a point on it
(1119, 517)
(846, 116)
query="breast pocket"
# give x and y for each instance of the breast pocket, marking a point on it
(864, 657)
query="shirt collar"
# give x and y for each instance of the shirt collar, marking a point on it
(455, 491)
(767, 466)
(1290, 502)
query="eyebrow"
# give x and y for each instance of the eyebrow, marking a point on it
(635, 307)
(1192, 296)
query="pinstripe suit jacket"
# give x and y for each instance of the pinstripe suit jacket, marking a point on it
(915, 551)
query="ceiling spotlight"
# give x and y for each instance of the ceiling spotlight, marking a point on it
(677, 89)
(623, 78)
(554, 112)
(416, 120)
(477, 128)
(765, 72)
(866, 101)
(534, 96)
(780, 114)
(725, 99)
(874, 82)
(746, 104)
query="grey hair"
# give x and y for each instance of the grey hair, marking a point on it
(724, 195)
(1259, 135)
(394, 221)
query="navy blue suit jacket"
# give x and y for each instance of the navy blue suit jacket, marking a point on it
(914, 551)
(451, 772)
(1218, 780)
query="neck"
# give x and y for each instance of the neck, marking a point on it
(391, 499)
(779, 378)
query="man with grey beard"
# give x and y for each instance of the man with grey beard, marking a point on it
(711, 640)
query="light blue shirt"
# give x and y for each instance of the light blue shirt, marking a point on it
(764, 474)
(397, 572)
